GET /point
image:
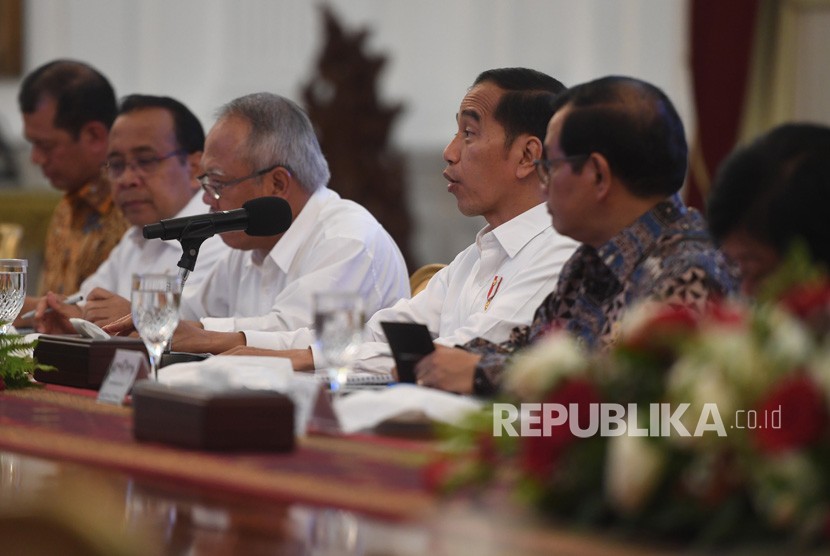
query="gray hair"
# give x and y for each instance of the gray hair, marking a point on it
(280, 133)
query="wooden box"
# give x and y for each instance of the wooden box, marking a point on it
(81, 362)
(193, 417)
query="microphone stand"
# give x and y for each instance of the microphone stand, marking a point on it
(194, 234)
(191, 240)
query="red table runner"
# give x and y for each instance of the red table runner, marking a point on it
(378, 476)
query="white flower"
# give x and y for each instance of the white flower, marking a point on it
(632, 471)
(723, 368)
(734, 354)
(786, 488)
(698, 383)
(789, 343)
(537, 369)
(819, 368)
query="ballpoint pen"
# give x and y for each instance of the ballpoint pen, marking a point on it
(73, 299)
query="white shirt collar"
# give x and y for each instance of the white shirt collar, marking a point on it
(514, 234)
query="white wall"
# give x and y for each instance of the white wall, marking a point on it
(206, 52)
(209, 51)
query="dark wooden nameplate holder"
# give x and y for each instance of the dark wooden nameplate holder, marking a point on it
(193, 417)
(80, 362)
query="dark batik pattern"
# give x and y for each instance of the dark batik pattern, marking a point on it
(666, 255)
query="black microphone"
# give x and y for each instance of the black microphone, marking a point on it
(263, 216)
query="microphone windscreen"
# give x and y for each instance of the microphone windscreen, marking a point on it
(267, 216)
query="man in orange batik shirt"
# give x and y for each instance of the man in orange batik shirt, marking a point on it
(68, 108)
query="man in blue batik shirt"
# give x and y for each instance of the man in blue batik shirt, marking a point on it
(615, 158)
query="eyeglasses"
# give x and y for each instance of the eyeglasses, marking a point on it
(214, 188)
(142, 164)
(546, 166)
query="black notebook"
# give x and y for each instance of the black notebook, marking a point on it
(409, 342)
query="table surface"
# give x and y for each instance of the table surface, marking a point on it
(123, 510)
(138, 515)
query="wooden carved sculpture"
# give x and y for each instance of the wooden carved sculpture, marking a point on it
(353, 128)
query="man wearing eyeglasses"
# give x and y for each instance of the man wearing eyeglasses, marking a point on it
(68, 108)
(155, 146)
(614, 159)
(264, 145)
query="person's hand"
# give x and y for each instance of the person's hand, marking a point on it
(103, 307)
(301, 359)
(190, 336)
(55, 320)
(449, 369)
(121, 327)
(29, 304)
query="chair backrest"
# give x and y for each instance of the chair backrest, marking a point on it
(10, 236)
(420, 278)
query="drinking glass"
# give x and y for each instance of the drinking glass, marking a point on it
(334, 532)
(155, 310)
(12, 290)
(338, 325)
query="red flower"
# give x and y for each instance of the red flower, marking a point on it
(811, 304)
(437, 473)
(488, 452)
(551, 328)
(725, 314)
(540, 454)
(805, 300)
(661, 330)
(793, 415)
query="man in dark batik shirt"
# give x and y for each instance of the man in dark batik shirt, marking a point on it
(615, 157)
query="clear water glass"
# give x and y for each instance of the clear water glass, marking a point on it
(12, 290)
(335, 533)
(338, 326)
(155, 311)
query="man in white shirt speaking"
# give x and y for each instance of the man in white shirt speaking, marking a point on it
(496, 283)
(155, 146)
(264, 145)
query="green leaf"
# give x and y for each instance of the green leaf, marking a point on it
(16, 365)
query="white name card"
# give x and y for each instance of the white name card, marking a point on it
(125, 367)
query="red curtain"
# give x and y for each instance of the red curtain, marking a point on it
(721, 35)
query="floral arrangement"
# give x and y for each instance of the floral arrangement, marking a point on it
(16, 362)
(708, 428)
